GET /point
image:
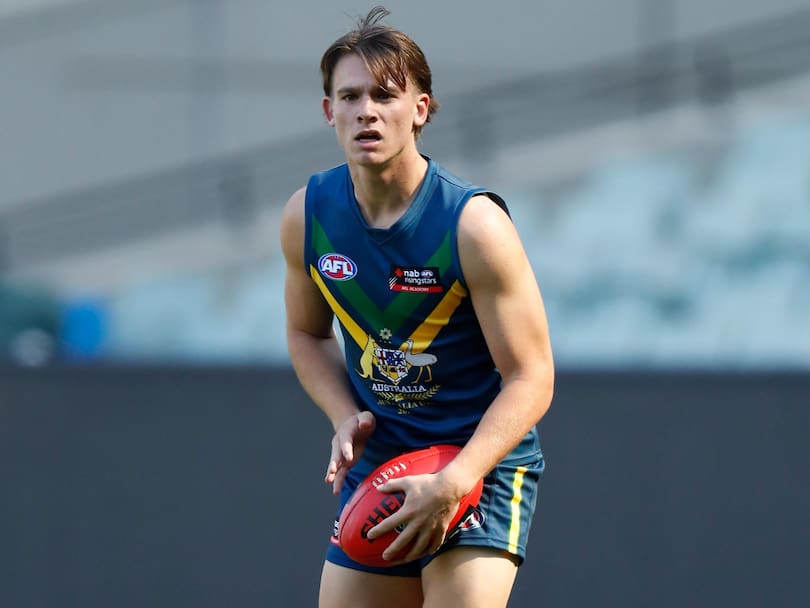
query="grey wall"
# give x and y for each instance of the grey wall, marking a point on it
(201, 487)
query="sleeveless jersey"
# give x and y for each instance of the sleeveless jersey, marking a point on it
(414, 350)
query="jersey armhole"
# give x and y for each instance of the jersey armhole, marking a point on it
(498, 200)
(309, 213)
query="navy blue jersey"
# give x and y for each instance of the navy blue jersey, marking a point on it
(414, 350)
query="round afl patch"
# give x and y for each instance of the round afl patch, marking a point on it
(337, 267)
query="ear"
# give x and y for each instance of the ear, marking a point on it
(326, 104)
(422, 109)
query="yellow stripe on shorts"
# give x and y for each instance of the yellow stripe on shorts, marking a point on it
(517, 496)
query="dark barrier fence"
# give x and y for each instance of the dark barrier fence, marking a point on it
(202, 488)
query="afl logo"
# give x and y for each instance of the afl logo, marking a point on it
(337, 267)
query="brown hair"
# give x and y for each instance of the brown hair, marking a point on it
(388, 53)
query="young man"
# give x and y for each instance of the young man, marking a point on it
(444, 335)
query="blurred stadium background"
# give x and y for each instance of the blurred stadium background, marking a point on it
(656, 157)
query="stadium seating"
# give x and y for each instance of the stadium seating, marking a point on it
(685, 257)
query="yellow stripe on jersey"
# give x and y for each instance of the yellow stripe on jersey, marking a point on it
(517, 496)
(439, 317)
(422, 336)
(355, 331)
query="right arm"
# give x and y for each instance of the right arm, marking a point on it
(314, 349)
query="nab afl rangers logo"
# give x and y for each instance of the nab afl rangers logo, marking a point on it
(337, 267)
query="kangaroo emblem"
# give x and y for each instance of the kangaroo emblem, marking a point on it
(367, 359)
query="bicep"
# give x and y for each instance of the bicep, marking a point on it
(306, 310)
(504, 290)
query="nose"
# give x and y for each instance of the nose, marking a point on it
(367, 110)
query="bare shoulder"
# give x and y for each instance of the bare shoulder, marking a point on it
(293, 227)
(488, 243)
(482, 207)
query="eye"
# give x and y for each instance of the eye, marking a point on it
(349, 97)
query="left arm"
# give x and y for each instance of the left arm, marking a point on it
(511, 314)
(510, 310)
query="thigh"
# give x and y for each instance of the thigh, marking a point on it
(343, 587)
(469, 577)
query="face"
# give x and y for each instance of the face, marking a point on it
(373, 124)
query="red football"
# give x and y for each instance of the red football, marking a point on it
(368, 506)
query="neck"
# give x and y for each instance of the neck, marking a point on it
(384, 193)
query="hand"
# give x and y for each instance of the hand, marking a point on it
(347, 446)
(431, 501)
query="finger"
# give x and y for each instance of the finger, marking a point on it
(417, 549)
(407, 548)
(338, 480)
(365, 421)
(384, 488)
(389, 524)
(399, 547)
(394, 485)
(347, 451)
(331, 469)
(381, 529)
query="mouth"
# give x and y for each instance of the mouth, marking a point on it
(368, 136)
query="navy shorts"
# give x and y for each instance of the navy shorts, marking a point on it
(501, 521)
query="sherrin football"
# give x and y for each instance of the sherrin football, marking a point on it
(368, 506)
